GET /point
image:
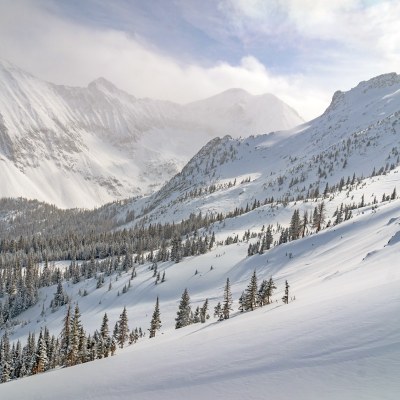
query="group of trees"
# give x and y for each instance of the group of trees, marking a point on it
(71, 347)
(254, 296)
(185, 315)
(258, 296)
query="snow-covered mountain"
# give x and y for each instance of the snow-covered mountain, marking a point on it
(85, 146)
(358, 135)
(338, 335)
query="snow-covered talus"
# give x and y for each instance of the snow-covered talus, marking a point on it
(358, 135)
(86, 146)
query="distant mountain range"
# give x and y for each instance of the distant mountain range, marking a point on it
(83, 147)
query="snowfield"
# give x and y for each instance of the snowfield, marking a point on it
(339, 338)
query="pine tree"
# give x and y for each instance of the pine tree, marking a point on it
(268, 238)
(304, 224)
(218, 312)
(82, 348)
(285, 298)
(104, 331)
(5, 371)
(261, 296)
(41, 355)
(196, 316)
(203, 312)
(319, 216)
(155, 324)
(270, 289)
(251, 294)
(183, 314)
(73, 355)
(123, 328)
(227, 306)
(242, 301)
(116, 331)
(66, 337)
(294, 230)
(60, 297)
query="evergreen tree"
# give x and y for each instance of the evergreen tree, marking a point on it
(218, 312)
(319, 216)
(5, 371)
(227, 306)
(269, 239)
(242, 300)
(155, 324)
(196, 316)
(304, 224)
(123, 328)
(265, 292)
(104, 331)
(250, 302)
(261, 296)
(270, 289)
(75, 332)
(203, 312)
(41, 355)
(183, 314)
(66, 337)
(60, 297)
(285, 298)
(116, 331)
(295, 224)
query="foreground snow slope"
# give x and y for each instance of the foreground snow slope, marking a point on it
(340, 338)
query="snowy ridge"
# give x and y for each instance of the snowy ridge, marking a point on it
(100, 143)
(357, 136)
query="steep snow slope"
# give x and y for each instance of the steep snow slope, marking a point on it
(358, 135)
(86, 146)
(338, 339)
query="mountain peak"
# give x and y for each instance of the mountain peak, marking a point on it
(380, 81)
(103, 84)
(235, 92)
(366, 92)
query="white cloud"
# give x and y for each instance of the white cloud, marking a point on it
(66, 53)
(362, 29)
(59, 50)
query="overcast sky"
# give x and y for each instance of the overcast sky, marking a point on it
(184, 50)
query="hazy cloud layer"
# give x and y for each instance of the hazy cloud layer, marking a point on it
(315, 47)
